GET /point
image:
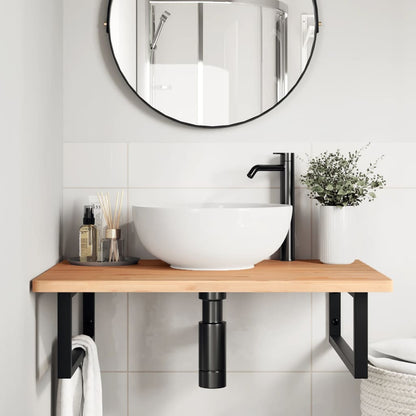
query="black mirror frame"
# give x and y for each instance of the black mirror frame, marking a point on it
(108, 29)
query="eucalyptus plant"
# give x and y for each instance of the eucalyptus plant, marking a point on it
(335, 179)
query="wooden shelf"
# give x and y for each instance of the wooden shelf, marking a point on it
(267, 276)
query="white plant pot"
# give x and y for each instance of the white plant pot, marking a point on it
(336, 245)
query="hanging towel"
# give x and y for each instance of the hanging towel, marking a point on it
(397, 355)
(81, 395)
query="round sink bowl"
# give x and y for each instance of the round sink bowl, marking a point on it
(212, 236)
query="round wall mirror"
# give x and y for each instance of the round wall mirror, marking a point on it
(212, 63)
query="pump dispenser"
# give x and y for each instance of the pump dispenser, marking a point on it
(88, 236)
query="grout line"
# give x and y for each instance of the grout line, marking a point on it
(126, 242)
(230, 372)
(210, 187)
(128, 355)
(173, 187)
(113, 372)
(311, 392)
(95, 187)
(311, 375)
(311, 225)
(311, 319)
(127, 164)
(127, 294)
(213, 187)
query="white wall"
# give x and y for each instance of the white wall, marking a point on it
(352, 72)
(360, 87)
(31, 189)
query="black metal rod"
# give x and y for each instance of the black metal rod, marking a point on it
(70, 359)
(356, 360)
(335, 314)
(361, 335)
(64, 335)
(287, 196)
(265, 168)
(77, 358)
(212, 342)
(88, 314)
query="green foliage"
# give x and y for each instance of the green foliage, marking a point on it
(334, 179)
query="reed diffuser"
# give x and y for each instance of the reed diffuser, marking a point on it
(112, 219)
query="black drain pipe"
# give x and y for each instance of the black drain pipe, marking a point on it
(212, 342)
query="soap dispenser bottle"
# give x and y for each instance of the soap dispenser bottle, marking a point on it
(88, 236)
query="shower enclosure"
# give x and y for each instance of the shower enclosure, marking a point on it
(215, 62)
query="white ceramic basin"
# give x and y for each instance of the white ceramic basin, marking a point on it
(212, 236)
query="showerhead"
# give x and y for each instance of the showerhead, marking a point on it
(156, 35)
(165, 15)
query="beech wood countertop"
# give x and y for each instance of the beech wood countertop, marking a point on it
(267, 276)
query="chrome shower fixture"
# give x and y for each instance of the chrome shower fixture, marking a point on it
(158, 31)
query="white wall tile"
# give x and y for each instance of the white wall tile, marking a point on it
(246, 394)
(386, 230)
(73, 211)
(163, 331)
(396, 163)
(95, 165)
(114, 394)
(206, 165)
(335, 394)
(387, 241)
(303, 225)
(111, 331)
(268, 332)
(324, 357)
(265, 332)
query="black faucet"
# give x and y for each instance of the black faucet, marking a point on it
(287, 196)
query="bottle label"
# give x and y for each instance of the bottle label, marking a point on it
(85, 243)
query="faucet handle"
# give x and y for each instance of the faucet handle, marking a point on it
(286, 157)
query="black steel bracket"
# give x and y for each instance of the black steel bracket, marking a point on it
(212, 343)
(355, 359)
(68, 359)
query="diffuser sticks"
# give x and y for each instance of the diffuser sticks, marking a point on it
(112, 219)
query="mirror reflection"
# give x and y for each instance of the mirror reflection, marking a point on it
(212, 63)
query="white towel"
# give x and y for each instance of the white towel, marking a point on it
(397, 355)
(81, 395)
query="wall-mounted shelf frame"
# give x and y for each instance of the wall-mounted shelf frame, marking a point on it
(356, 359)
(70, 359)
(150, 276)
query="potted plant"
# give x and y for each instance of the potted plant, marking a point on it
(336, 182)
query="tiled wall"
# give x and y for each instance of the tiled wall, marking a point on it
(279, 360)
(356, 88)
